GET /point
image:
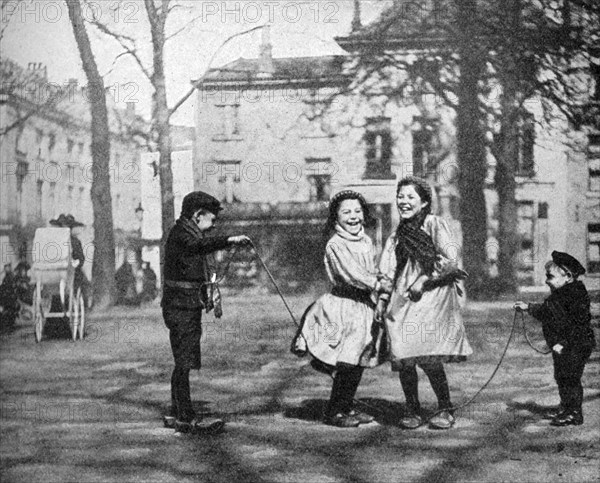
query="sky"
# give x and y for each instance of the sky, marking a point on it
(39, 31)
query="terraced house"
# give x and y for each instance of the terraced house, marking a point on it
(275, 137)
(47, 166)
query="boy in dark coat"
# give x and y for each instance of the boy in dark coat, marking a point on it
(565, 317)
(185, 295)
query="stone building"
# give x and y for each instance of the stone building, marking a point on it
(274, 132)
(47, 165)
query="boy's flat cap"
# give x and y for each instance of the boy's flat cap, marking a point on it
(568, 262)
(198, 200)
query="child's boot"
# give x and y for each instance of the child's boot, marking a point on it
(568, 418)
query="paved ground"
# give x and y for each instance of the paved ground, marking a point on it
(91, 410)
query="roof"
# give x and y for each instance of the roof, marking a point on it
(287, 69)
(409, 25)
(32, 93)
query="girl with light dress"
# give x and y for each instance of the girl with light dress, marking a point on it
(422, 319)
(338, 328)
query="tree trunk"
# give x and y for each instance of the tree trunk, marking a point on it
(507, 154)
(471, 153)
(103, 267)
(161, 114)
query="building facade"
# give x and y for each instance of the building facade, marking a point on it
(47, 165)
(272, 131)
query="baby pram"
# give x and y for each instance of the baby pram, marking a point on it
(53, 273)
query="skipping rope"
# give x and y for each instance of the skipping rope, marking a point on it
(367, 405)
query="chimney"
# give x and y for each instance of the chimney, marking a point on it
(265, 59)
(38, 69)
(356, 23)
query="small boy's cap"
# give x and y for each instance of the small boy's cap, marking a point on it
(567, 262)
(198, 200)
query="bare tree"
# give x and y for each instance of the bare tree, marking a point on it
(537, 50)
(26, 91)
(158, 12)
(432, 51)
(103, 268)
(465, 50)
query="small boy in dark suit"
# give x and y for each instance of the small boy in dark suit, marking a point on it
(566, 324)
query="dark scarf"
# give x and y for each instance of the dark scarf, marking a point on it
(414, 243)
(190, 227)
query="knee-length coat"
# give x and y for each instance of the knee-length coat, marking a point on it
(431, 327)
(338, 326)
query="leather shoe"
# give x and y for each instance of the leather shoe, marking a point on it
(411, 421)
(363, 418)
(443, 420)
(200, 426)
(341, 421)
(553, 413)
(568, 418)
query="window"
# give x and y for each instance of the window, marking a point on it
(51, 141)
(424, 162)
(70, 145)
(81, 201)
(525, 155)
(320, 187)
(378, 139)
(39, 137)
(229, 178)
(594, 162)
(228, 116)
(594, 248)
(70, 197)
(52, 199)
(22, 169)
(525, 213)
(38, 195)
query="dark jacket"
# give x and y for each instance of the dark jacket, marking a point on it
(185, 261)
(77, 251)
(566, 318)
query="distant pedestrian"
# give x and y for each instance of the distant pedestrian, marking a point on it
(566, 323)
(126, 285)
(9, 305)
(423, 319)
(185, 295)
(149, 279)
(338, 328)
(23, 287)
(77, 253)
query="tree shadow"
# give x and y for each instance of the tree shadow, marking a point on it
(386, 413)
(540, 409)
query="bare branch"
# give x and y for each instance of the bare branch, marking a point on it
(187, 95)
(128, 45)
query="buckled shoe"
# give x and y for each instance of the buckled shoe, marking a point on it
(568, 418)
(363, 418)
(443, 420)
(200, 426)
(341, 420)
(411, 420)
